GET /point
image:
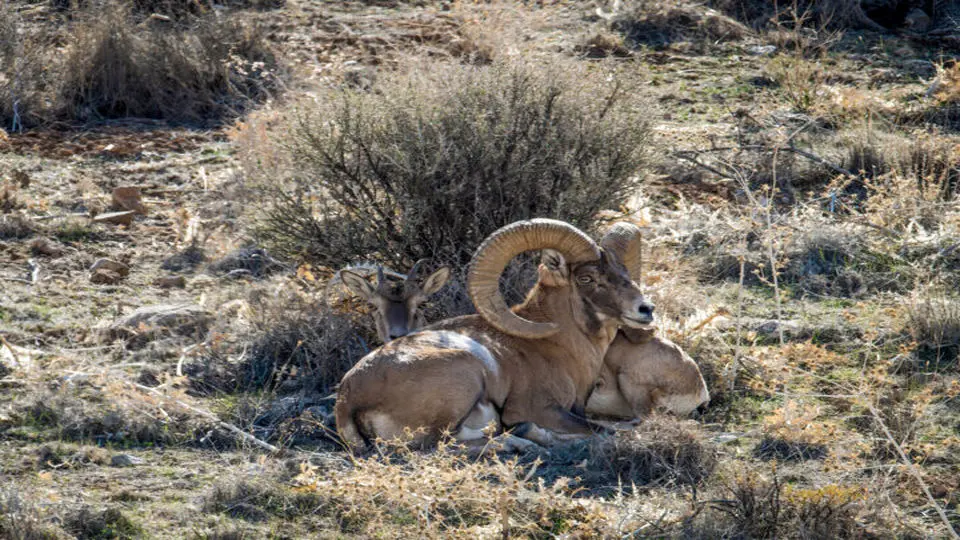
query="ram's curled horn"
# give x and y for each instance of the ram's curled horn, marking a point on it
(493, 255)
(624, 240)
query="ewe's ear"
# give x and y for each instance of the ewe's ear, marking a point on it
(358, 284)
(553, 269)
(436, 281)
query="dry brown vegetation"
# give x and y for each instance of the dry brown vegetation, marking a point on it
(796, 169)
(107, 60)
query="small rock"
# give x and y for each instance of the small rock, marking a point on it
(108, 272)
(148, 322)
(105, 277)
(21, 178)
(762, 50)
(113, 266)
(917, 20)
(187, 259)
(725, 438)
(255, 261)
(129, 198)
(171, 282)
(773, 327)
(117, 218)
(126, 460)
(239, 273)
(45, 246)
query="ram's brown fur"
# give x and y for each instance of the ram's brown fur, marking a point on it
(463, 372)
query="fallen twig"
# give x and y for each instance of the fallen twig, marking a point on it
(13, 352)
(702, 165)
(682, 154)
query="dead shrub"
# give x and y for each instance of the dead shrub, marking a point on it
(933, 322)
(435, 159)
(307, 345)
(661, 450)
(812, 14)
(755, 506)
(296, 343)
(798, 79)
(822, 261)
(21, 519)
(196, 71)
(26, 83)
(109, 523)
(258, 500)
(15, 227)
(661, 22)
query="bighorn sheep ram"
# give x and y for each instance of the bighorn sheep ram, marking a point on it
(395, 297)
(640, 372)
(529, 369)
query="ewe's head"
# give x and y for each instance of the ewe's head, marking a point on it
(397, 301)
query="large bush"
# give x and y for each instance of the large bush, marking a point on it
(434, 159)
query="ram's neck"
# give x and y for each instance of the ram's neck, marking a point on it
(582, 331)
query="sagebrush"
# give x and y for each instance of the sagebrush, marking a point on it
(434, 159)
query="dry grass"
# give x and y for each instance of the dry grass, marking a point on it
(204, 69)
(442, 493)
(845, 429)
(259, 500)
(86, 415)
(21, 519)
(799, 79)
(87, 522)
(105, 64)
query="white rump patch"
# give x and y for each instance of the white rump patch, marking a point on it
(445, 339)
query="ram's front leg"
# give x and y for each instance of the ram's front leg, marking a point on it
(557, 425)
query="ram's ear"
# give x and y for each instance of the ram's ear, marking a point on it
(359, 285)
(553, 270)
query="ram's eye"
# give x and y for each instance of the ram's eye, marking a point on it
(585, 279)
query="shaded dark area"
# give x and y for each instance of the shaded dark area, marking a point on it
(783, 450)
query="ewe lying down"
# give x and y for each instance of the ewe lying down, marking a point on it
(531, 367)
